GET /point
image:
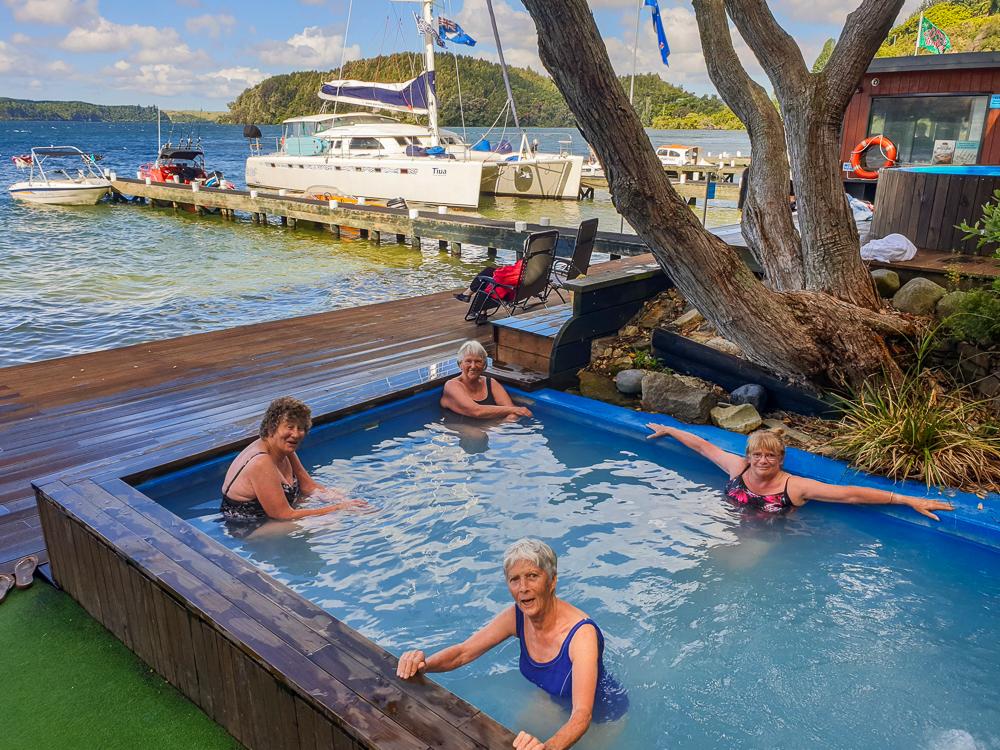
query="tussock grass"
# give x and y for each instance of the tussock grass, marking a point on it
(919, 427)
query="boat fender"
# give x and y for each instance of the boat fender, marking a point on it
(888, 149)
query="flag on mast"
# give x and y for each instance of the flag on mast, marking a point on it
(452, 32)
(425, 28)
(661, 38)
(931, 38)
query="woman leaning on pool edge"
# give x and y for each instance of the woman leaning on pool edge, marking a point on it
(266, 480)
(562, 649)
(759, 481)
(472, 394)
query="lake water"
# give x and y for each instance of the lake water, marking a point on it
(78, 279)
(831, 627)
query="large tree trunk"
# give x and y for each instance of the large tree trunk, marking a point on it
(806, 335)
(767, 222)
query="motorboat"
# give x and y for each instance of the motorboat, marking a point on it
(377, 156)
(60, 175)
(184, 164)
(676, 155)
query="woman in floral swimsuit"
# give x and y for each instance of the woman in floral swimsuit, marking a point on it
(758, 480)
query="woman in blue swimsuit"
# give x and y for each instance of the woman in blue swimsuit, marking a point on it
(758, 480)
(562, 649)
(267, 480)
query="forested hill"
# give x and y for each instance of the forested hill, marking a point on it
(971, 26)
(538, 101)
(25, 109)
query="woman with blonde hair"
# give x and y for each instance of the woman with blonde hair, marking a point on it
(757, 480)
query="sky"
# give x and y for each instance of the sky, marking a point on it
(200, 54)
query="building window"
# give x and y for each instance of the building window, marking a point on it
(929, 129)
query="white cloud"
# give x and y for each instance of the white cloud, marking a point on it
(164, 79)
(59, 68)
(313, 47)
(105, 36)
(211, 25)
(20, 39)
(52, 12)
(8, 58)
(517, 34)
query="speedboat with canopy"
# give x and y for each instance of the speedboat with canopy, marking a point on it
(60, 175)
(377, 156)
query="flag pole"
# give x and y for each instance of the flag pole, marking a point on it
(635, 51)
(920, 29)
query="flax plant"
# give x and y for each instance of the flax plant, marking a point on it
(915, 428)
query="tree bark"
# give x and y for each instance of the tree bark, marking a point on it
(767, 222)
(806, 335)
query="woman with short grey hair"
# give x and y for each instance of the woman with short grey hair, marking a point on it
(472, 394)
(562, 649)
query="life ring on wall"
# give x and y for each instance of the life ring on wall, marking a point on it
(887, 147)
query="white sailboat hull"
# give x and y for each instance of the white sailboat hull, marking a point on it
(539, 177)
(445, 182)
(60, 193)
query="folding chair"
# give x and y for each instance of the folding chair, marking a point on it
(533, 281)
(566, 269)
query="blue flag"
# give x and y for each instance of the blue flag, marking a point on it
(452, 32)
(658, 25)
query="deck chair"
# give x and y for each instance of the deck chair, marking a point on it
(533, 282)
(566, 269)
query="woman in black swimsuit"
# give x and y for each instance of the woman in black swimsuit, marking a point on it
(267, 480)
(473, 395)
(758, 480)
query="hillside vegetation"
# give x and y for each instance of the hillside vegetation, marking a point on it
(25, 109)
(194, 115)
(971, 25)
(539, 103)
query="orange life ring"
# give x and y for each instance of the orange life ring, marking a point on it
(888, 149)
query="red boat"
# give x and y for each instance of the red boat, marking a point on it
(184, 164)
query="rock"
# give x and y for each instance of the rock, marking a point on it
(989, 387)
(691, 317)
(742, 418)
(789, 432)
(601, 388)
(886, 281)
(948, 304)
(918, 296)
(752, 394)
(630, 381)
(664, 393)
(975, 356)
(629, 331)
(601, 347)
(724, 345)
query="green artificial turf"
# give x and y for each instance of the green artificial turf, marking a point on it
(67, 682)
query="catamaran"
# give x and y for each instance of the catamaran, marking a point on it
(376, 156)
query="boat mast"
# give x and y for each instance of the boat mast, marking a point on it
(432, 107)
(503, 64)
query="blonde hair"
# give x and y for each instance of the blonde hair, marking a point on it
(766, 440)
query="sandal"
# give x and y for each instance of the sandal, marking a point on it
(6, 584)
(24, 571)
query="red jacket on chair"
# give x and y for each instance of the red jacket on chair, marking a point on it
(505, 275)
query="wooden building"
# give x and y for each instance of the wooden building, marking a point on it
(936, 109)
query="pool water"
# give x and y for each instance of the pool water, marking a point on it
(832, 627)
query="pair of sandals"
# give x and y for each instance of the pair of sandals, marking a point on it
(24, 574)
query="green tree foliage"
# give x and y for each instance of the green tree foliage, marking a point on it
(969, 24)
(824, 55)
(539, 103)
(24, 109)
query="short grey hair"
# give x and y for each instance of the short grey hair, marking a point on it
(472, 347)
(535, 551)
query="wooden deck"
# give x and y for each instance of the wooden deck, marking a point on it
(71, 416)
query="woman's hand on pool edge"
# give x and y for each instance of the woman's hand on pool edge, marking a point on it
(411, 663)
(924, 507)
(525, 741)
(659, 430)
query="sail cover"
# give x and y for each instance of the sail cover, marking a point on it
(410, 96)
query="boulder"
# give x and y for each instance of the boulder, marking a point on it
(918, 296)
(596, 386)
(948, 304)
(752, 394)
(789, 432)
(689, 318)
(989, 387)
(742, 418)
(886, 281)
(630, 381)
(724, 345)
(662, 392)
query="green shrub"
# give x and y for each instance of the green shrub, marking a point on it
(917, 428)
(977, 319)
(990, 229)
(644, 360)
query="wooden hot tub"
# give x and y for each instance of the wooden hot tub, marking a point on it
(925, 203)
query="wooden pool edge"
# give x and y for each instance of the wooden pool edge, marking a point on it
(269, 666)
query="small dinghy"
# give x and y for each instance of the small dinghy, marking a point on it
(60, 175)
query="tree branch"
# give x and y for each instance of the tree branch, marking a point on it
(864, 31)
(776, 50)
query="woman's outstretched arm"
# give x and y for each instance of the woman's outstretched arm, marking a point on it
(801, 490)
(728, 462)
(499, 629)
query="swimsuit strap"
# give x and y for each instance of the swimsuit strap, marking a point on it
(225, 489)
(489, 387)
(519, 627)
